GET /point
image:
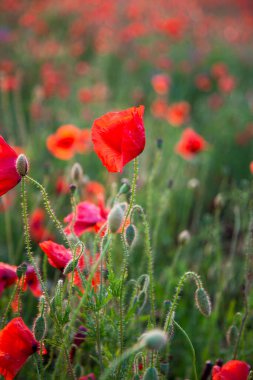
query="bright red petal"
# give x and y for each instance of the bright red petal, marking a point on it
(58, 256)
(9, 177)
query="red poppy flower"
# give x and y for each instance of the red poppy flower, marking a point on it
(94, 192)
(119, 137)
(88, 216)
(86, 263)
(58, 256)
(232, 370)
(9, 176)
(160, 83)
(38, 230)
(191, 143)
(17, 343)
(178, 113)
(8, 276)
(31, 281)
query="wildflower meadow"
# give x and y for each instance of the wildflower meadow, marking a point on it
(126, 209)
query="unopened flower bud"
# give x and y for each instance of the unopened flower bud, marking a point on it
(184, 237)
(115, 218)
(151, 374)
(193, 183)
(39, 328)
(76, 173)
(232, 335)
(125, 187)
(21, 270)
(130, 235)
(203, 302)
(22, 165)
(70, 267)
(154, 339)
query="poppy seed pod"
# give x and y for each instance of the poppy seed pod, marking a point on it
(151, 374)
(232, 335)
(203, 302)
(22, 165)
(155, 339)
(115, 218)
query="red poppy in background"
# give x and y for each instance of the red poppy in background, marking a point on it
(90, 376)
(119, 137)
(94, 192)
(88, 216)
(161, 83)
(190, 144)
(58, 256)
(67, 141)
(86, 263)
(251, 167)
(31, 280)
(178, 113)
(17, 343)
(38, 230)
(8, 276)
(9, 176)
(232, 370)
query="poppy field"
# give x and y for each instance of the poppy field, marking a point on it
(126, 210)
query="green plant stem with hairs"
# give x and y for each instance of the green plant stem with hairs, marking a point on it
(34, 264)
(170, 316)
(125, 258)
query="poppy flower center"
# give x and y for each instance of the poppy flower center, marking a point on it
(66, 142)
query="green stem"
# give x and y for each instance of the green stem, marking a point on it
(191, 347)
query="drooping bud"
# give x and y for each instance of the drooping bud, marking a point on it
(125, 187)
(184, 237)
(151, 374)
(21, 270)
(130, 235)
(39, 328)
(71, 266)
(22, 165)
(154, 339)
(203, 302)
(115, 218)
(76, 173)
(232, 335)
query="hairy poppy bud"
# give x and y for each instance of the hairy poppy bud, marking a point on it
(21, 270)
(155, 339)
(203, 302)
(72, 264)
(151, 374)
(22, 165)
(59, 293)
(115, 218)
(232, 335)
(164, 368)
(39, 328)
(76, 173)
(130, 234)
(184, 237)
(125, 187)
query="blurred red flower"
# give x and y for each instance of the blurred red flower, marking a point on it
(67, 141)
(119, 137)
(88, 217)
(8, 276)
(31, 281)
(178, 113)
(190, 144)
(232, 370)
(161, 83)
(90, 376)
(9, 176)
(17, 343)
(38, 230)
(58, 256)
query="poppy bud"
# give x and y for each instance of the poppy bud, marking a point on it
(59, 293)
(164, 368)
(151, 374)
(130, 234)
(72, 188)
(70, 266)
(39, 328)
(22, 165)
(203, 302)
(115, 218)
(184, 237)
(21, 270)
(125, 187)
(76, 173)
(232, 335)
(155, 339)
